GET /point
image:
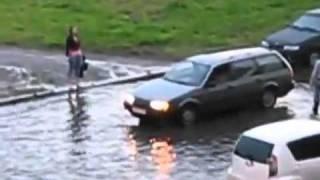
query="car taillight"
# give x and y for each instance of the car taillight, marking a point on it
(287, 64)
(291, 73)
(273, 166)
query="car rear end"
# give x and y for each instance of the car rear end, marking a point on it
(284, 75)
(253, 159)
(287, 82)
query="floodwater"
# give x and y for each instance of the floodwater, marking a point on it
(26, 71)
(88, 135)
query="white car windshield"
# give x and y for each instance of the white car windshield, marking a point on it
(309, 22)
(188, 73)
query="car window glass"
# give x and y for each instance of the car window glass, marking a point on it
(306, 148)
(242, 69)
(219, 75)
(311, 22)
(188, 73)
(269, 63)
(253, 149)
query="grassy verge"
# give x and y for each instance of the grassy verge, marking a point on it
(176, 27)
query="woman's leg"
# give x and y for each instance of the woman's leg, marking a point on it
(70, 68)
(73, 70)
(78, 66)
(316, 100)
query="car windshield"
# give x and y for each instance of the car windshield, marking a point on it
(253, 149)
(188, 73)
(310, 22)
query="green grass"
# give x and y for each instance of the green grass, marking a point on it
(175, 27)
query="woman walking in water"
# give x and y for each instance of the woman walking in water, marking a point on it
(75, 55)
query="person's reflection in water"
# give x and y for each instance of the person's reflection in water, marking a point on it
(78, 121)
(132, 147)
(164, 156)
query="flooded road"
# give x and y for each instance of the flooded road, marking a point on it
(89, 136)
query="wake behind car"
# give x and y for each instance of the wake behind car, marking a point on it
(214, 82)
(299, 41)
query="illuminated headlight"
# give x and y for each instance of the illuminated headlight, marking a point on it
(159, 105)
(129, 99)
(265, 44)
(291, 48)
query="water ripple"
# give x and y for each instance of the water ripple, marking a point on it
(89, 136)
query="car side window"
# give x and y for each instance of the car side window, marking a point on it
(219, 75)
(231, 72)
(306, 148)
(242, 69)
(269, 63)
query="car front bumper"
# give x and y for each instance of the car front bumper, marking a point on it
(294, 56)
(145, 112)
(291, 55)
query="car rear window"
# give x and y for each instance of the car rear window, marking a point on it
(253, 149)
(306, 148)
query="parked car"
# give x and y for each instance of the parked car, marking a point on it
(213, 82)
(299, 41)
(282, 150)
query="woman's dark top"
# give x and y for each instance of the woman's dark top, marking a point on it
(72, 44)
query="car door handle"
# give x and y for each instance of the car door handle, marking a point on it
(230, 86)
(258, 79)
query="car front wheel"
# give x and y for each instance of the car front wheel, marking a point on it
(188, 116)
(269, 99)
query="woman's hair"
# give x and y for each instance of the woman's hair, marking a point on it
(71, 30)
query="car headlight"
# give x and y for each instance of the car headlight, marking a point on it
(159, 105)
(291, 48)
(129, 98)
(265, 44)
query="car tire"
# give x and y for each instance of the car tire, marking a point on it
(313, 58)
(188, 116)
(269, 99)
(144, 121)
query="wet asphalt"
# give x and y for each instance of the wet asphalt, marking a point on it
(88, 135)
(23, 71)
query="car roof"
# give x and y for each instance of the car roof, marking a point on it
(227, 56)
(314, 11)
(284, 131)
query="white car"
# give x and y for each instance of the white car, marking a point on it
(287, 150)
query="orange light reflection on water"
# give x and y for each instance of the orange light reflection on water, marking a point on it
(163, 156)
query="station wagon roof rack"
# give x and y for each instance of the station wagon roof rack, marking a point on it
(229, 55)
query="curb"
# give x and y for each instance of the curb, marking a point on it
(85, 85)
